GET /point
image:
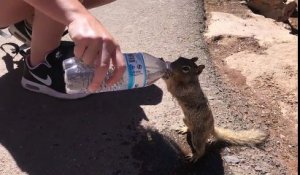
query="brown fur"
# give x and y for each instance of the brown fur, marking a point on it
(183, 83)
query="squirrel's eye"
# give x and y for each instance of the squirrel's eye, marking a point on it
(186, 69)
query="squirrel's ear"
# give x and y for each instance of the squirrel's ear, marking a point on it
(194, 59)
(200, 69)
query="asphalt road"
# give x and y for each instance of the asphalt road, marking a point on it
(111, 133)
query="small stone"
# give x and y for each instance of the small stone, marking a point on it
(262, 169)
(227, 150)
(231, 159)
(258, 168)
(282, 136)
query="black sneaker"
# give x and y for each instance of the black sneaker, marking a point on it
(4, 34)
(48, 77)
(22, 31)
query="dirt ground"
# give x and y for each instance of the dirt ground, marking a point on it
(258, 57)
(250, 81)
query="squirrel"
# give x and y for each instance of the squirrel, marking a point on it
(183, 83)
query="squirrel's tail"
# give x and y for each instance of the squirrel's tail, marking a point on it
(244, 137)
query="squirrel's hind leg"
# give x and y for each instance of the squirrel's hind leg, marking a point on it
(198, 142)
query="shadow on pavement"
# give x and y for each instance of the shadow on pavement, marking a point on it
(210, 164)
(160, 155)
(100, 134)
(87, 136)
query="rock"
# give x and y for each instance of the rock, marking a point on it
(276, 9)
(261, 168)
(231, 159)
(227, 150)
(258, 168)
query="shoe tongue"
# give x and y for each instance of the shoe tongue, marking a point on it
(62, 52)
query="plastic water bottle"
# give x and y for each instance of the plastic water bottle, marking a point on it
(142, 70)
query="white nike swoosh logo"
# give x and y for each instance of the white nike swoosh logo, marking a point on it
(46, 81)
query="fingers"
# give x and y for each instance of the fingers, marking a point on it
(101, 67)
(79, 50)
(96, 47)
(99, 75)
(119, 67)
(87, 51)
(91, 53)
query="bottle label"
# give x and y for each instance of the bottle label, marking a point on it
(136, 70)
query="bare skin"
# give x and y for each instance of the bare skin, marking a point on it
(93, 43)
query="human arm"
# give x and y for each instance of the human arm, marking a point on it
(93, 43)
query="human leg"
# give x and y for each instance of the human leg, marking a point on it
(13, 11)
(46, 36)
(46, 33)
(47, 77)
(47, 29)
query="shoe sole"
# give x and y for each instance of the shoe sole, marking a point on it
(15, 32)
(4, 34)
(35, 87)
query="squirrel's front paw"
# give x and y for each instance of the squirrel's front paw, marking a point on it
(182, 130)
(192, 158)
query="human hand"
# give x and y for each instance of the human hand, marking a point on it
(96, 47)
